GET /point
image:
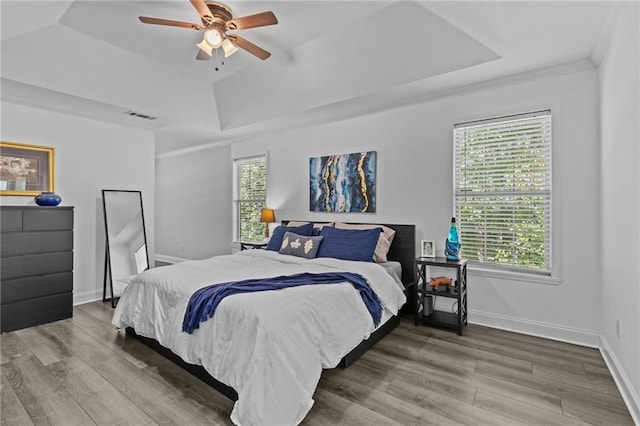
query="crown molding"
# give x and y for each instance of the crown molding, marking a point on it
(609, 30)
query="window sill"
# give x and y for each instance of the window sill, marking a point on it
(513, 276)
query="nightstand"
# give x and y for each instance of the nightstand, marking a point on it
(246, 245)
(424, 308)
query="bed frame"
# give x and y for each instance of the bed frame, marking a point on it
(402, 250)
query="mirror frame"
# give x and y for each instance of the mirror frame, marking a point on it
(107, 258)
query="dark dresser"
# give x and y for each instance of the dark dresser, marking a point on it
(36, 275)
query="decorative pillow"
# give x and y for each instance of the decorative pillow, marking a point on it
(384, 242)
(349, 244)
(300, 245)
(276, 237)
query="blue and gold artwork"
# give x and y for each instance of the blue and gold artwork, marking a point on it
(343, 183)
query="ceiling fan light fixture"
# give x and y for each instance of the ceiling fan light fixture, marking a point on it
(205, 47)
(213, 38)
(228, 47)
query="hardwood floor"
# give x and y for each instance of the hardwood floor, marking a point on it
(83, 371)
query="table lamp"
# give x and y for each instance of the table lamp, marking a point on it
(267, 216)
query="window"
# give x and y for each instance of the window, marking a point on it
(250, 195)
(502, 185)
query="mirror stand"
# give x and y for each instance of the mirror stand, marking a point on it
(126, 253)
(107, 268)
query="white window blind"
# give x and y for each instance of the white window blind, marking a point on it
(250, 195)
(502, 186)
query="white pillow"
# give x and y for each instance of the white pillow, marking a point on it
(384, 241)
(315, 224)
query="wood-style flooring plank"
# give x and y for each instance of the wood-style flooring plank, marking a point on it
(102, 402)
(446, 380)
(381, 401)
(598, 371)
(521, 412)
(343, 412)
(78, 341)
(499, 346)
(41, 395)
(458, 384)
(540, 346)
(45, 347)
(12, 413)
(98, 310)
(109, 336)
(446, 406)
(12, 347)
(161, 401)
(595, 383)
(600, 412)
(550, 384)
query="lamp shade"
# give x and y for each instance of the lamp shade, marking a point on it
(267, 215)
(228, 47)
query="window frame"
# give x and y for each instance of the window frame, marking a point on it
(236, 201)
(548, 274)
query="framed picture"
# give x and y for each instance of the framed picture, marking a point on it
(428, 248)
(344, 183)
(25, 169)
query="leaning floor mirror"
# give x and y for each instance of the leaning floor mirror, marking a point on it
(126, 244)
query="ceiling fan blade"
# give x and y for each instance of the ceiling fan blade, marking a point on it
(253, 21)
(249, 47)
(203, 10)
(169, 22)
(202, 56)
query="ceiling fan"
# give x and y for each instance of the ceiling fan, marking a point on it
(217, 19)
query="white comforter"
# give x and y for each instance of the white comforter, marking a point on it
(269, 346)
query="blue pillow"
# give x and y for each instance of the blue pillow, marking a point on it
(349, 244)
(299, 245)
(276, 238)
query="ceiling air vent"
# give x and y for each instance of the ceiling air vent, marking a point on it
(139, 115)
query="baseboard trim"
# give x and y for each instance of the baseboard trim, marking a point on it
(169, 259)
(86, 297)
(534, 328)
(629, 395)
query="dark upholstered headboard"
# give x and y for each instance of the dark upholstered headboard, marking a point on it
(403, 248)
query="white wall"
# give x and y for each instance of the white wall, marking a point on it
(414, 177)
(193, 204)
(620, 182)
(89, 156)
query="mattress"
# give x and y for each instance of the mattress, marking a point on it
(269, 346)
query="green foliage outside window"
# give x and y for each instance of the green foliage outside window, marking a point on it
(251, 194)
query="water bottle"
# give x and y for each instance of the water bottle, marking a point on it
(452, 246)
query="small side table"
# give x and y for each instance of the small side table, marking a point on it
(424, 309)
(246, 245)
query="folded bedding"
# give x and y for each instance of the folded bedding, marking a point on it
(203, 303)
(270, 346)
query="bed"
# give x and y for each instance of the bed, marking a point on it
(267, 350)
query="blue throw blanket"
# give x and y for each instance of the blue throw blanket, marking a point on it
(204, 302)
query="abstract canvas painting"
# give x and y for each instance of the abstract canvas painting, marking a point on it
(343, 183)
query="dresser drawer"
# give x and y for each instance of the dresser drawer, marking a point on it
(47, 219)
(32, 287)
(35, 264)
(18, 243)
(11, 220)
(28, 313)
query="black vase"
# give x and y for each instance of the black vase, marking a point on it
(48, 199)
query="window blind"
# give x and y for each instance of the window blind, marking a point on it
(250, 194)
(502, 186)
